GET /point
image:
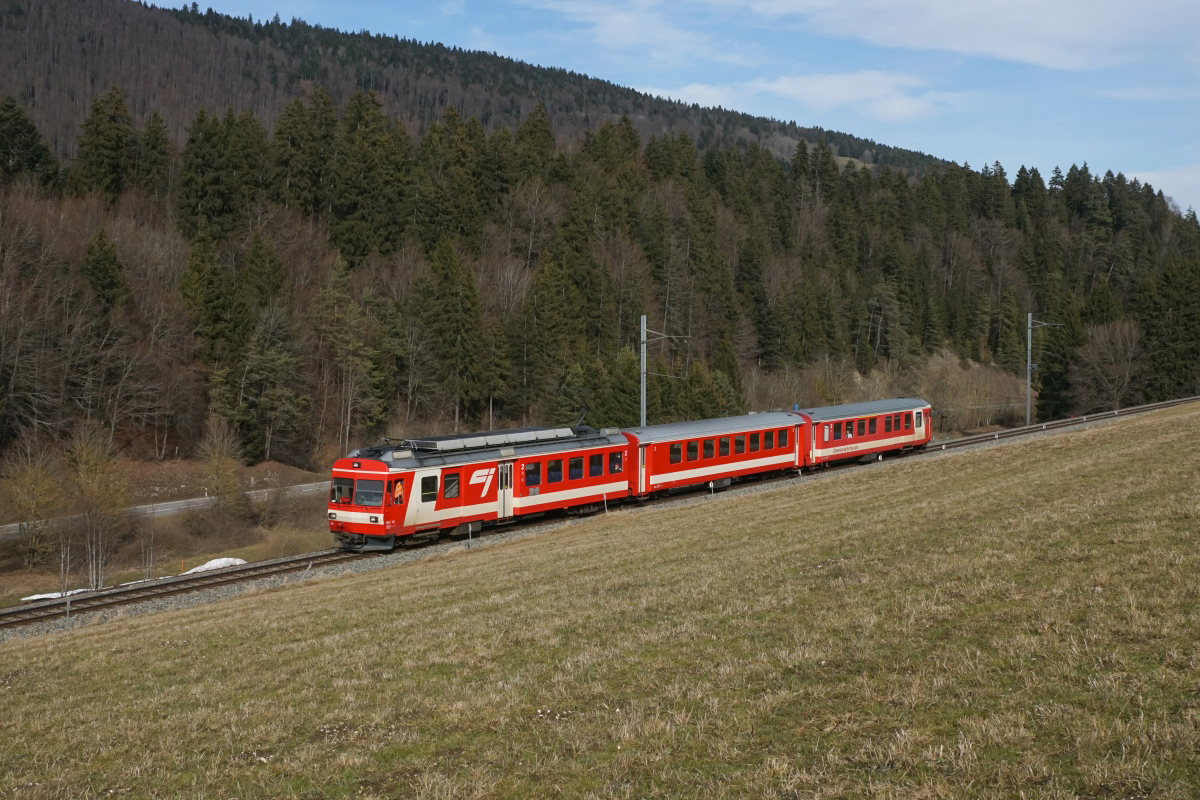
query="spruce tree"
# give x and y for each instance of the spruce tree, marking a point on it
(104, 272)
(154, 157)
(262, 272)
(454, 324)
(107, 148)
(22, 148)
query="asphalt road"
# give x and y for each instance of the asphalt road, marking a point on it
(176, 506)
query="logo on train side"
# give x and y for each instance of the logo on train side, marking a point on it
(483, 476)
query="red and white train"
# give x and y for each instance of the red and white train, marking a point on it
(423, 488)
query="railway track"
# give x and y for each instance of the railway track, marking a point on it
(107, 599)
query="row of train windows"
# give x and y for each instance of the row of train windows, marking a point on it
(769, 441)
(554, 468)
(868, 427)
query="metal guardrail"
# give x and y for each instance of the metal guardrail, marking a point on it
(13, 530)
(1025, 430)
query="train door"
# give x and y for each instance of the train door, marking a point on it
(504, 490)
(426, 489)
(643, 480)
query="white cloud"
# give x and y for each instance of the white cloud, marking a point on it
(453, 8)
(1181, 183)
(894, 97)
(1152, 94)
(630, 25)
(1062, 34)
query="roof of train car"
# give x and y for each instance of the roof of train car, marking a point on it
(713, 427)
(404, 456)
(864, 409)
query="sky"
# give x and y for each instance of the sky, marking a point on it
(1040, 83)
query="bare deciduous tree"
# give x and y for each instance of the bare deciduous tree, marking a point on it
(99, 497)
(36, 494)
(222, 452)
(1108, 367)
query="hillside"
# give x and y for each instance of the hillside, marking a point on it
(1006, 621)
(55, 55)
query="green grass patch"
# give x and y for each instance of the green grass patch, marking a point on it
(1020, 620)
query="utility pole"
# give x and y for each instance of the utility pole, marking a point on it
(657, 337)
(1030, 324)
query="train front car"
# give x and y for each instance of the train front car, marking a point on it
(861, 430)
(366, 503)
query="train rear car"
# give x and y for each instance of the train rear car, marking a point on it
(858, 430)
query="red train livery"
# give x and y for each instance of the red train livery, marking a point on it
(456, 484)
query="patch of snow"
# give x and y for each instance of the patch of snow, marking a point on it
(217, 563)
(51, 596)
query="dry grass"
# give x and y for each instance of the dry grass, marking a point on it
(1018, 621)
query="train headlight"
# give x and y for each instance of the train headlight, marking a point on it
(374, 519)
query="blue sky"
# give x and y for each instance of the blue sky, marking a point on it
(1033, 82)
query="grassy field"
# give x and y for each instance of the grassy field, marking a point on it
(1017, 621)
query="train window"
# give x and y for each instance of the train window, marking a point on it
(849, 429)
(908, 421)
(708, 448)
(614, 462)
(739, 445)
(837, 431)
(595, 465)
(450, 485)
(754, 443)
(398, 492)
(533, 473)
(676, 453)
(554, 470)
(862, 427)
(895, 422)
(693, 450)
(723, 447)
(827, 433)
(769, 440)
(920, 416)
(368, 493)
(871, 425)
(783, 437)
(429, 489)
(341, 489)
(887, 424)
(575, 469)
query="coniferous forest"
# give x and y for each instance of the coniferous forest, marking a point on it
(332, 274)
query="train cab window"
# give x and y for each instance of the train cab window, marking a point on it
(783, 437)
(533, 473)
(397, 492)
(862, 427)
(595, 465)
(676, 453)
(837, 431)
(554, 471)
(887, 424)
(739, 445)
(575, 469)
(368, 493)
(769, 440)
(723, 447)
(614, 462)
(693, 450)
(754, 443)
(871, 425)
(908, 421)
(341, 489)
(708, 448)
(429, 488)
(450, 485)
